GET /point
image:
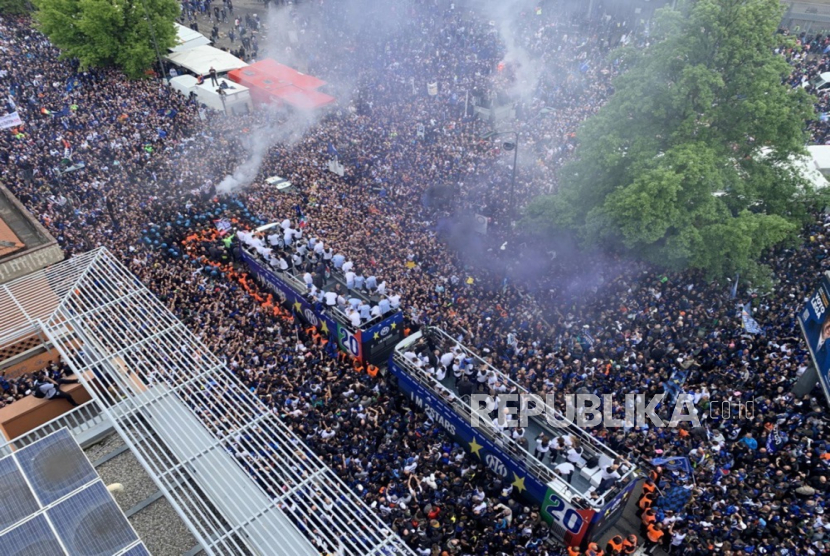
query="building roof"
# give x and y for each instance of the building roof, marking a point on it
(200, 59)
(286, 74)
(272, 81)
(25, 244)
(9, 242)
(190, 421)
(187, 38)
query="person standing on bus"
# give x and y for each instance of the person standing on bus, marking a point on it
(542, 447)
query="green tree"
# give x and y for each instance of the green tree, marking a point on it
(14, 6)
(105, 33)
(689, 164)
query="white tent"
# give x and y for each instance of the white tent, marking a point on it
(187, 38)
(200, 59)
(806, 166)
(821, 157)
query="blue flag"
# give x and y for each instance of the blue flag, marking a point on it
(332, 150)
(674, 464)
(72, 83)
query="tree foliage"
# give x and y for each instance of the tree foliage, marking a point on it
(14, 7)
(689, 164)
(105, 33)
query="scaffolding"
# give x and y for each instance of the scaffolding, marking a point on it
(240, 479)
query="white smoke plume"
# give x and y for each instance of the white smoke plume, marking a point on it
(282, 128)
(508, 18)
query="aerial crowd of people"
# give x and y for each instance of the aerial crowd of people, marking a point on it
(417, 166)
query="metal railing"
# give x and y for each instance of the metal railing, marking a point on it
(592, 445)
(78, 420)
(290, 278)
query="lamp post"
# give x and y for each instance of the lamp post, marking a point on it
(155, 43)
(510, 146)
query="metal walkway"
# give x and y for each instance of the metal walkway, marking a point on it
(251, 485)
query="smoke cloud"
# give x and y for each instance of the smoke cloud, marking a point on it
(510, 19)
(281, 128)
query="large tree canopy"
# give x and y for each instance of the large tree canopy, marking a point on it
(14, 6)
(103, 33)
(689, 163)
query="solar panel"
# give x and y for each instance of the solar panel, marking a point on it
(18, 500)
(88, 523)
(33, 538)
(91, 523)
(55, 466)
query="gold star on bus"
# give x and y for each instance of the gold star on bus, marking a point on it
(394, 325)
(377, 335)
(297, 306)
(324, 329)
(519, 483)
(475, 447)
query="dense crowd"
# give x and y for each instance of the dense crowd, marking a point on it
(554, 320)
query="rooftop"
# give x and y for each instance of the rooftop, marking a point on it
(25, 245)
(237, 477)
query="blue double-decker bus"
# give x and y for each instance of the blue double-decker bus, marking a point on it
(371, 342)
(574, 507)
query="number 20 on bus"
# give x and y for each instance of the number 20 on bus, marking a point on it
(571, 520)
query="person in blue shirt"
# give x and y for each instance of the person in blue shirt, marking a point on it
(750, 442)
(385, 306)
(359, 281)
(338, 260)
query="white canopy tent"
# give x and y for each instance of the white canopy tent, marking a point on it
(187, 38)
(200, 59)
(821, 157)
(807, 166)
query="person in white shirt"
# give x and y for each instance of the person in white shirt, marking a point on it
(354, 318)
(566, 470)
(331, 298)
(395, 301)
(275, 240)
(447, 359)
(574, 455)
(381, 288)
(347, 266)
(542, 447)
(286, 224)
(309, 281)
(609, 476)
(244, 237)
(481, 379)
